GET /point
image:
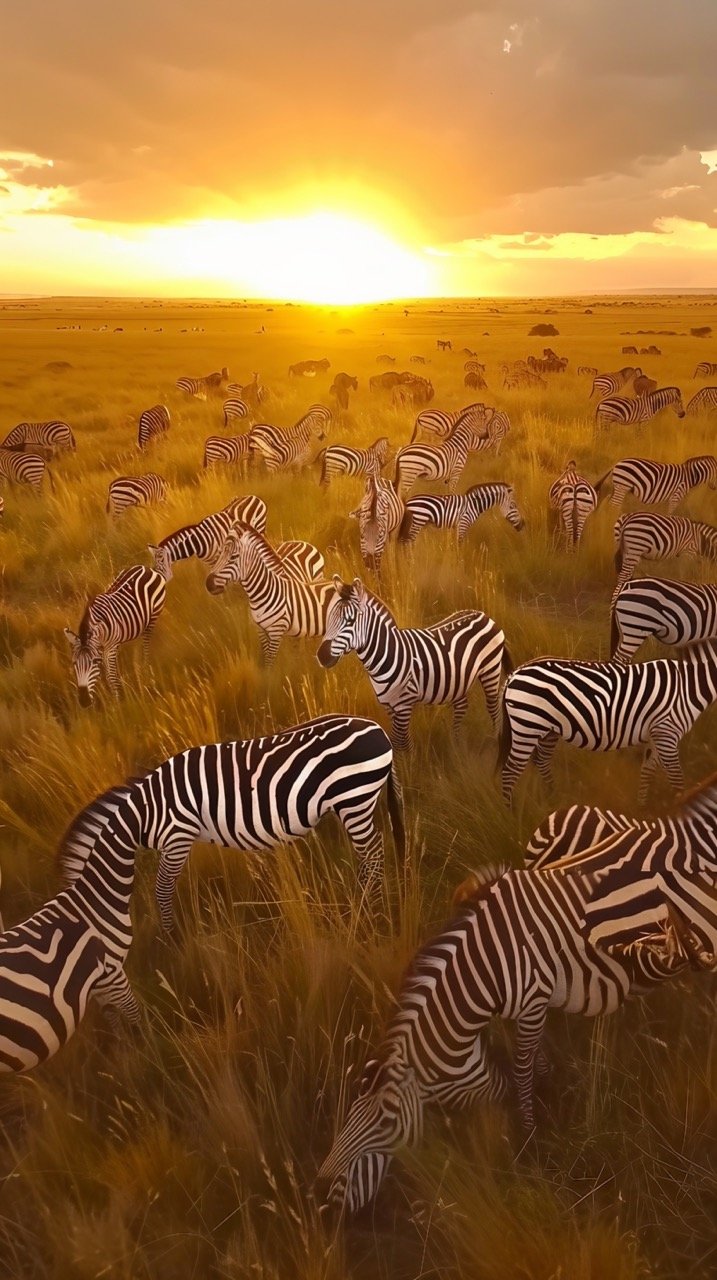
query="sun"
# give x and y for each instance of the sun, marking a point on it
(320, 257)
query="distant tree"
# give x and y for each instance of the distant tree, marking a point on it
(702, 331)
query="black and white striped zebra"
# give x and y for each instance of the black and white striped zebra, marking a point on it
(604, 706)
(127, 610)
(673, 612)
(607, 384)
(655, 482)
(227, 450)
(516, 950)
(23, 468)
(342, 460)
(135, 491)
(281, 602)
(458, 511)
(491, 424)
(573, 499)
(280, 448)
(379, 515)
(622, 410)
(702, 401)
(53, 437)
(152, 424)
(445, 462)
(205, 539)
(199, 387)
(412, 665)
(641, 535)
(253, 795)
(705, 369)
(235, 407)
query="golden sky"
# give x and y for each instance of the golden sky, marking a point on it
(339, 151)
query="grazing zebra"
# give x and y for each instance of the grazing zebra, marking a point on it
(640, 535)
(379, 515)
(587, 371)
(493, 424)
(458, 510)
(198, 387)
(642, 384)
(673, 612)
(604, 706)
(653, 482)
(24, 468)
(127, 610)
(411, 665)
(227, 450)
(280, 604)
(574, 499)
(309, 368)
(621, 410)
(152, 423)
(606, 384)
(205, 539)
(705, 369)
(54, 437)
(516, 950)
(281, 448)
(253, 795)
(703, 400)
(235, 408)
(571, 830)
(475, 381)
(445, 462)
(135, 491)
(340, 460)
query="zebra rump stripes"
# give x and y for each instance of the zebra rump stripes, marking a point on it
(23, 468)
(458, 511)
(152, 423)
(653, 482)
(574, 499)
(53, 437)
(644, 536)
(341, 460)
(135, 491)
(127, 610)
(623, 411)
(227, 449)
(673, 612)
(198, 387)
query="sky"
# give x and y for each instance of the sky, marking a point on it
(349, 150)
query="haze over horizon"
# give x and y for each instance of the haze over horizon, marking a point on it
(469, 148)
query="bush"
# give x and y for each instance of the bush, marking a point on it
(543, 331)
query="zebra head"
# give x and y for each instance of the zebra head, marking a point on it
(87, 663)
(509, 508)
(343, 621)
(227, 567)
(386, 1115)
(162, 561)
(373, 516)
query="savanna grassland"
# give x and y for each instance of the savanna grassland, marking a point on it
(189, 1148)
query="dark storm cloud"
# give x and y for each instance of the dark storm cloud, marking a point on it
(482, 118)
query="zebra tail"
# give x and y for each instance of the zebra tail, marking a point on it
(505, 738)
(321, 457)
(575, 520)
(404, 532)
(395, 813)
(618, 557)
(614, 629)
(599, 484)
(49, 475)
(506, 662)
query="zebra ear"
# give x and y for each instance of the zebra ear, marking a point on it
(358, 590)
(151, 547)
(338, 584)
(73, 639)
(354, 515)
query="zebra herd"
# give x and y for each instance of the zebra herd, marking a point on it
(606, 906)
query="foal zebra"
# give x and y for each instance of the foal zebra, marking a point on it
(228, 450)
(622, 410)
(705, 369)
(458, 510)
(198, 387)
(379, 515)
(447, 462)
(640, 535)
(410, 665)
(152, 423)
(704, 399)
(604, 706)
(127, 610)
(281, 448)
(53, 436)
(23, 468)
(252, 795)
(281, 602)
(135, 491)
(654, 482)
(206, 538)
(340, 459)
(574, 499)
(673, 612)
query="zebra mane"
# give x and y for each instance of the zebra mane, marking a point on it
(477, 885)
(85, 622)
(267, 551)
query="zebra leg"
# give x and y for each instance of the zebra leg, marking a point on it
(171, 864)
(666, 741)
(490, 683)
(649, 765)
(109, 659)
(514, 765)
(480, 1077)
(543, 755)
(530, 1027)
(401, 726)
(270, 641)
(460, 706)
(116, 998)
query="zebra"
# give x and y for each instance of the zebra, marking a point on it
(411, 665)
(458, 510)
(206, 538)
(574, 499)
(284, 448)
(604, 706)
(641, 535)
(705, 369)
(621, 410)
(446, 462)
(198, 387)
(24, 468)
(152, 423)
(655, 482)
(228, 450)
(252, 794)
(127, 610)
(587, 371)
(440, 422)
(606, 384)
(516, 949)
(280, 602)
(340, 459)
(53, 436)
(379, 514)
(135, 491)
(675, 613)
(703, 400)
(235, 407)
